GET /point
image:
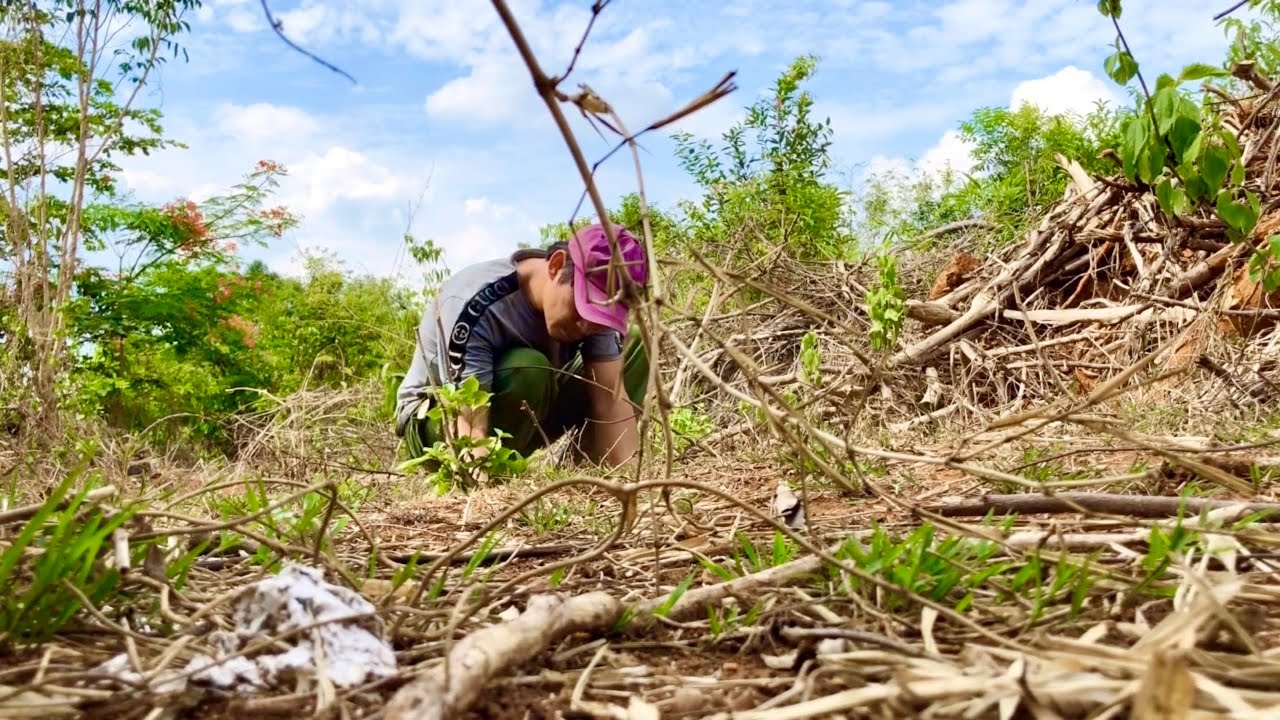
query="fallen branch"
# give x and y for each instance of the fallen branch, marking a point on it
(930, 313)
(1079, 177)
(694, 602)
(933, 389)
(448, 690)
(1069, 502)
(27, 511)
(1029, 539)
(906, 425)
(795, 634)
(1243, 466)
(1202, 272)
(1075, 315)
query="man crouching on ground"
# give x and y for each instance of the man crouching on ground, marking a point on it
(541, 331)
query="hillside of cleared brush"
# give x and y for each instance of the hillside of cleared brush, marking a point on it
(1003, 450)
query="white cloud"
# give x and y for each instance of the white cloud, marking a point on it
(266, 124)
(242, 16)
(952, 152)
(316, 21)
(323, 168)
(318, 181)
(860, 123)
(885, 166)
(357, 191)
(632, 62)
(711, 121)
(146, 181)
(245, 21)
(449, 30)
(969, 21)
(302, 23)
(491, 94)
(348, 196)
(485, 230)
(893, 77)
(1070, 90)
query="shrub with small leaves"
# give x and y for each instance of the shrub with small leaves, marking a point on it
(810, 359)
(886, 304)
(464, 460)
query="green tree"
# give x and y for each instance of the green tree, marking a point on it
(331, 328)
(1015, 176)
(766, 190)
(1018, 175)
(1175, 140)
(171, 329)
(64, 65)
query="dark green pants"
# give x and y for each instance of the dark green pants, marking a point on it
(537, 404)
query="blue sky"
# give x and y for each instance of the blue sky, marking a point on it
(444, 119)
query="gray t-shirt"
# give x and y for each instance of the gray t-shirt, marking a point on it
(481, 313)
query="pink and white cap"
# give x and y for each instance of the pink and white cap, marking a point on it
(593, 294)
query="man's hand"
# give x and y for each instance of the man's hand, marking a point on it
(473, 423)
(473, 458)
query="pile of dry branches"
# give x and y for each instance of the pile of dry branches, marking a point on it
(1106, 281)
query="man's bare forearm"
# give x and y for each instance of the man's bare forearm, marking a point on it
(615, 438)
(624, 446)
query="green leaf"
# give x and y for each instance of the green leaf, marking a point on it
(1151, 162)
(1121, 67)
(1166, 108)
(1213, 168)
(1173, 199)
(1180, 203)
(1240, 217)
(1192, 152)
(1188, 109)
(1199, 71)
(1229, 139)
(1183, 135)
(1164, 194)
(1165, 81)
(1110, 8)
(1135, 140)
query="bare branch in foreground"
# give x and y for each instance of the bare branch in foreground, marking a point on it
(449, 689)
(278, 27)
(1230, 10)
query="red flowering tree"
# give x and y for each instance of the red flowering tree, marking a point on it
(165, 328)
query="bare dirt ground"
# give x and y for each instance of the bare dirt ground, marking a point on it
(1062, 613)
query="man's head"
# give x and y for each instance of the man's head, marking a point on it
(584, 296)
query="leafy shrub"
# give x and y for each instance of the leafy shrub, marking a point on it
(768, 193)
(330, 328)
